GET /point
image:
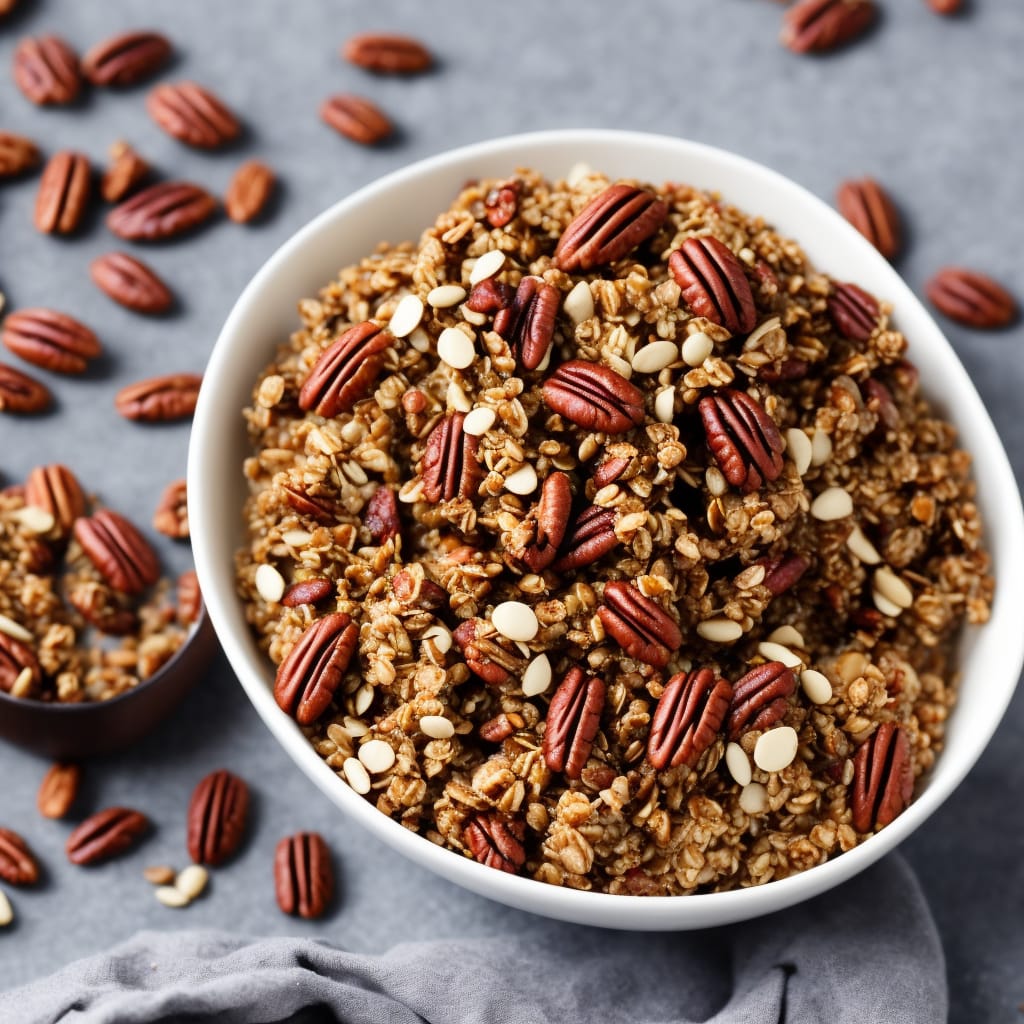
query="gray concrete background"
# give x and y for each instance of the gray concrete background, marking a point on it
(933, 107)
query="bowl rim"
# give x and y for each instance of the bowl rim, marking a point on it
(617, 911)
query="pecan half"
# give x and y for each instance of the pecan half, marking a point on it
(783, 572)
(357, 118)
(189, 598)
(380, 516)
(171, 516)
(309, 675)
(449, 467)
(58, 790)
(126, 59)
(609, 227)
(216, 817)
(17, 865)
(528, 324)
(17, 155)
(99, 606)
(883, 778)
(487, 653)
(320, 506)
(164, 210)
(490, 296)
(501, 203)
(387, 53)
(63, 195)
(500, 727)
(573, 719)
(106, 834)
(760, 698)
(308, 591)
(414, 589)
(249, 191)
(496, 841)
(945, 6)
(609, 471)
(821, 25)
(192, 115)
(50, 339)
(552, 513)
(971, 298)
(713, 283)
(590, 536)
(854, 312)
(867, 206)
(345, 370)
(594, 397)
(21, 393)
(743, 438)
(878, 398)
(126, 172)
(160, 399)
(15, 658)
(130, 283)
(303, 876)
(46, 70)
(687, 718)
(117, 549)
(642, 628)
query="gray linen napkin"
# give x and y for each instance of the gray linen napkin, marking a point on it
(867, 951)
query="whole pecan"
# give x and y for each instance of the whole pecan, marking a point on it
(609, 227)
(130, 283)
(357, 118)
(854, 312)
(759, 698)
(312, 671)
(171, 516)
(642, 628)
(496, 841)
(490, 296)
(783, 571)
(17, 865)
(594, 397)
(743, 438)
(46, 70)
(501, 203)
(713, 283)
(345, 370)
(15, 658)
(821, 25)
(189, 598)
(249, 191)
(303, 876)
(387, 53)
(63, 195)
(159, 399)
(58, 790)
(117, 549)
(381, 515)
(867, 206)
(591, 535)
(487, 653)
(17, 155)
(687, 718)
(106, 834)
(126, 172)
(528, 324)
(126, 59)
(216, 817)
(307, 592)
(553, 512)
(21, 393)
(573, 719)
(883, 778)
(56, 490)
(449, 467)
(971, 298)
(192, 115)
(50, 339)
(164, 210)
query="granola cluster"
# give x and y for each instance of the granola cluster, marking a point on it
(600, 537)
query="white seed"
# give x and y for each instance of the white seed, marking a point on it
(191, 881)
(821, 448)
(537, 677)
(407, 316)
(22, 684)
(363, 700)
(800, 449)
(14, 629)
(377, 756)
(6, 910)
(487, 266)
(720, 630)
(296, 538)
(420, 340)
(833, 503)
(170, 896)
(777, 652)
(862, 548)
(444, 296)
(754, 798)
(579, 303)
(471, 316)
(885, 606)
(893, 587)
(515, 620)
(577, 173)
(437, 727)
(522, 481)
(816, 686)
(848, 771)
(523, 649)
(354, 727)
(664, 405)
(269, 583)
(655, 357)
(716, 483)
(478, 421)
(441, 636)
(455, 348)
(34, 519)
(787, 635)
(775, 749)
(748, 256)
(738, 763)
(696, 348)
(356, 775)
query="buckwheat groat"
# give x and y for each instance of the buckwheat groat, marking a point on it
(601, 538)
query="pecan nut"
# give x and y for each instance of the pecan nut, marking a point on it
(387, 53)
(130, 283)
(854, 312)
(883, 778)
(171, 516)
(609, 471)
(303, 876)
(450, 469)
(641, 627)
(189, 598)
(500, 727)
(528, 323)
(574, 717)
(496, 841)
(106, 834)
(760, 698)
(783, 571)
(713, 283)
(126, 172)
(159, 399)
(319, 506)
(117, 549)
(17, 865)
(249, 191)
(309, 591)
(609, 227)
(21, 393)
(192, 115)
(17, 155)
(594, 397)
(687, 719)
(552, 514)
(345, 370)
(46, 70)
(945, 6)
(868, 207)
(971, 298)
(490, 296)
(818, 26)
(488, 654)
(126, 59)
(413, 589)
(216, 817)
(380, 516)
(50, 339)
(63, 195)
(357, 118)
(312, 671)
(743, 438)
(102, 609)
(58, 790)
(591, 536)
(17, 658)
(164, 210)
(502, 203)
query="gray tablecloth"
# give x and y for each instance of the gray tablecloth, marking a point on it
(931, 106)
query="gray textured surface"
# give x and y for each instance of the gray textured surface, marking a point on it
(931, 106)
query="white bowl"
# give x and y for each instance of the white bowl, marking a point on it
(398, 207)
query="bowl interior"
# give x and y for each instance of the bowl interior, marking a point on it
(399, 207)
